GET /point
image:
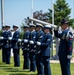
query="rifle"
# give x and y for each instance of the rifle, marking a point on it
(39, 21)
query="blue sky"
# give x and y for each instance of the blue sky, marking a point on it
(16, 10)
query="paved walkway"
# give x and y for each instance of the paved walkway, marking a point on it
(57, 61)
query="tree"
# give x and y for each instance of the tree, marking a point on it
(41, 15)
(71, 23)
(61, 10)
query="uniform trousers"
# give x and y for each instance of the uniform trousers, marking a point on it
(16, 57)
(65, 65)
(39, 64)
(46, 63)
(3, 55)
(7, 54)
(32, 61)
(26, 60)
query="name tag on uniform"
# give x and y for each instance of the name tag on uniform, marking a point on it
(41, 36)
(48, 40)
(35, 46)
(34, 37)
(27, 36)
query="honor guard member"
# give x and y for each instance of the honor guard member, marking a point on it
(45, 49)
(32, 49)
(1, 36)
(39, 36)
(65, 47)
(12, 32)
(7, 44)
(3, 50)
(26, 47)
(15, 46)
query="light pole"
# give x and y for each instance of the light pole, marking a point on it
(2, 13)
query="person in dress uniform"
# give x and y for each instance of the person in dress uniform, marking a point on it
(7, 43)
(3, 50)
(15, 46)
(45, 45)
(65, 47)
(32, 48)
(39, 36)
(12, 32)
(26, 47)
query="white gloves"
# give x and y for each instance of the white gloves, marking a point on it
(1, 37)
(25, 41)
(56, 28)
(69, 56)
(10, 38)
(38, 43)
(19, 40)
(31, 42)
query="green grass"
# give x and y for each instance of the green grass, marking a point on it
(11, 70)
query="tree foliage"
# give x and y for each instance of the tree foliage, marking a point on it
(41, 15)
(61, 10)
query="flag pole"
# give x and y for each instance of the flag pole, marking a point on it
(52, 28)
(53, 12)
(32, 11)
(2, 13)
(56, 56)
